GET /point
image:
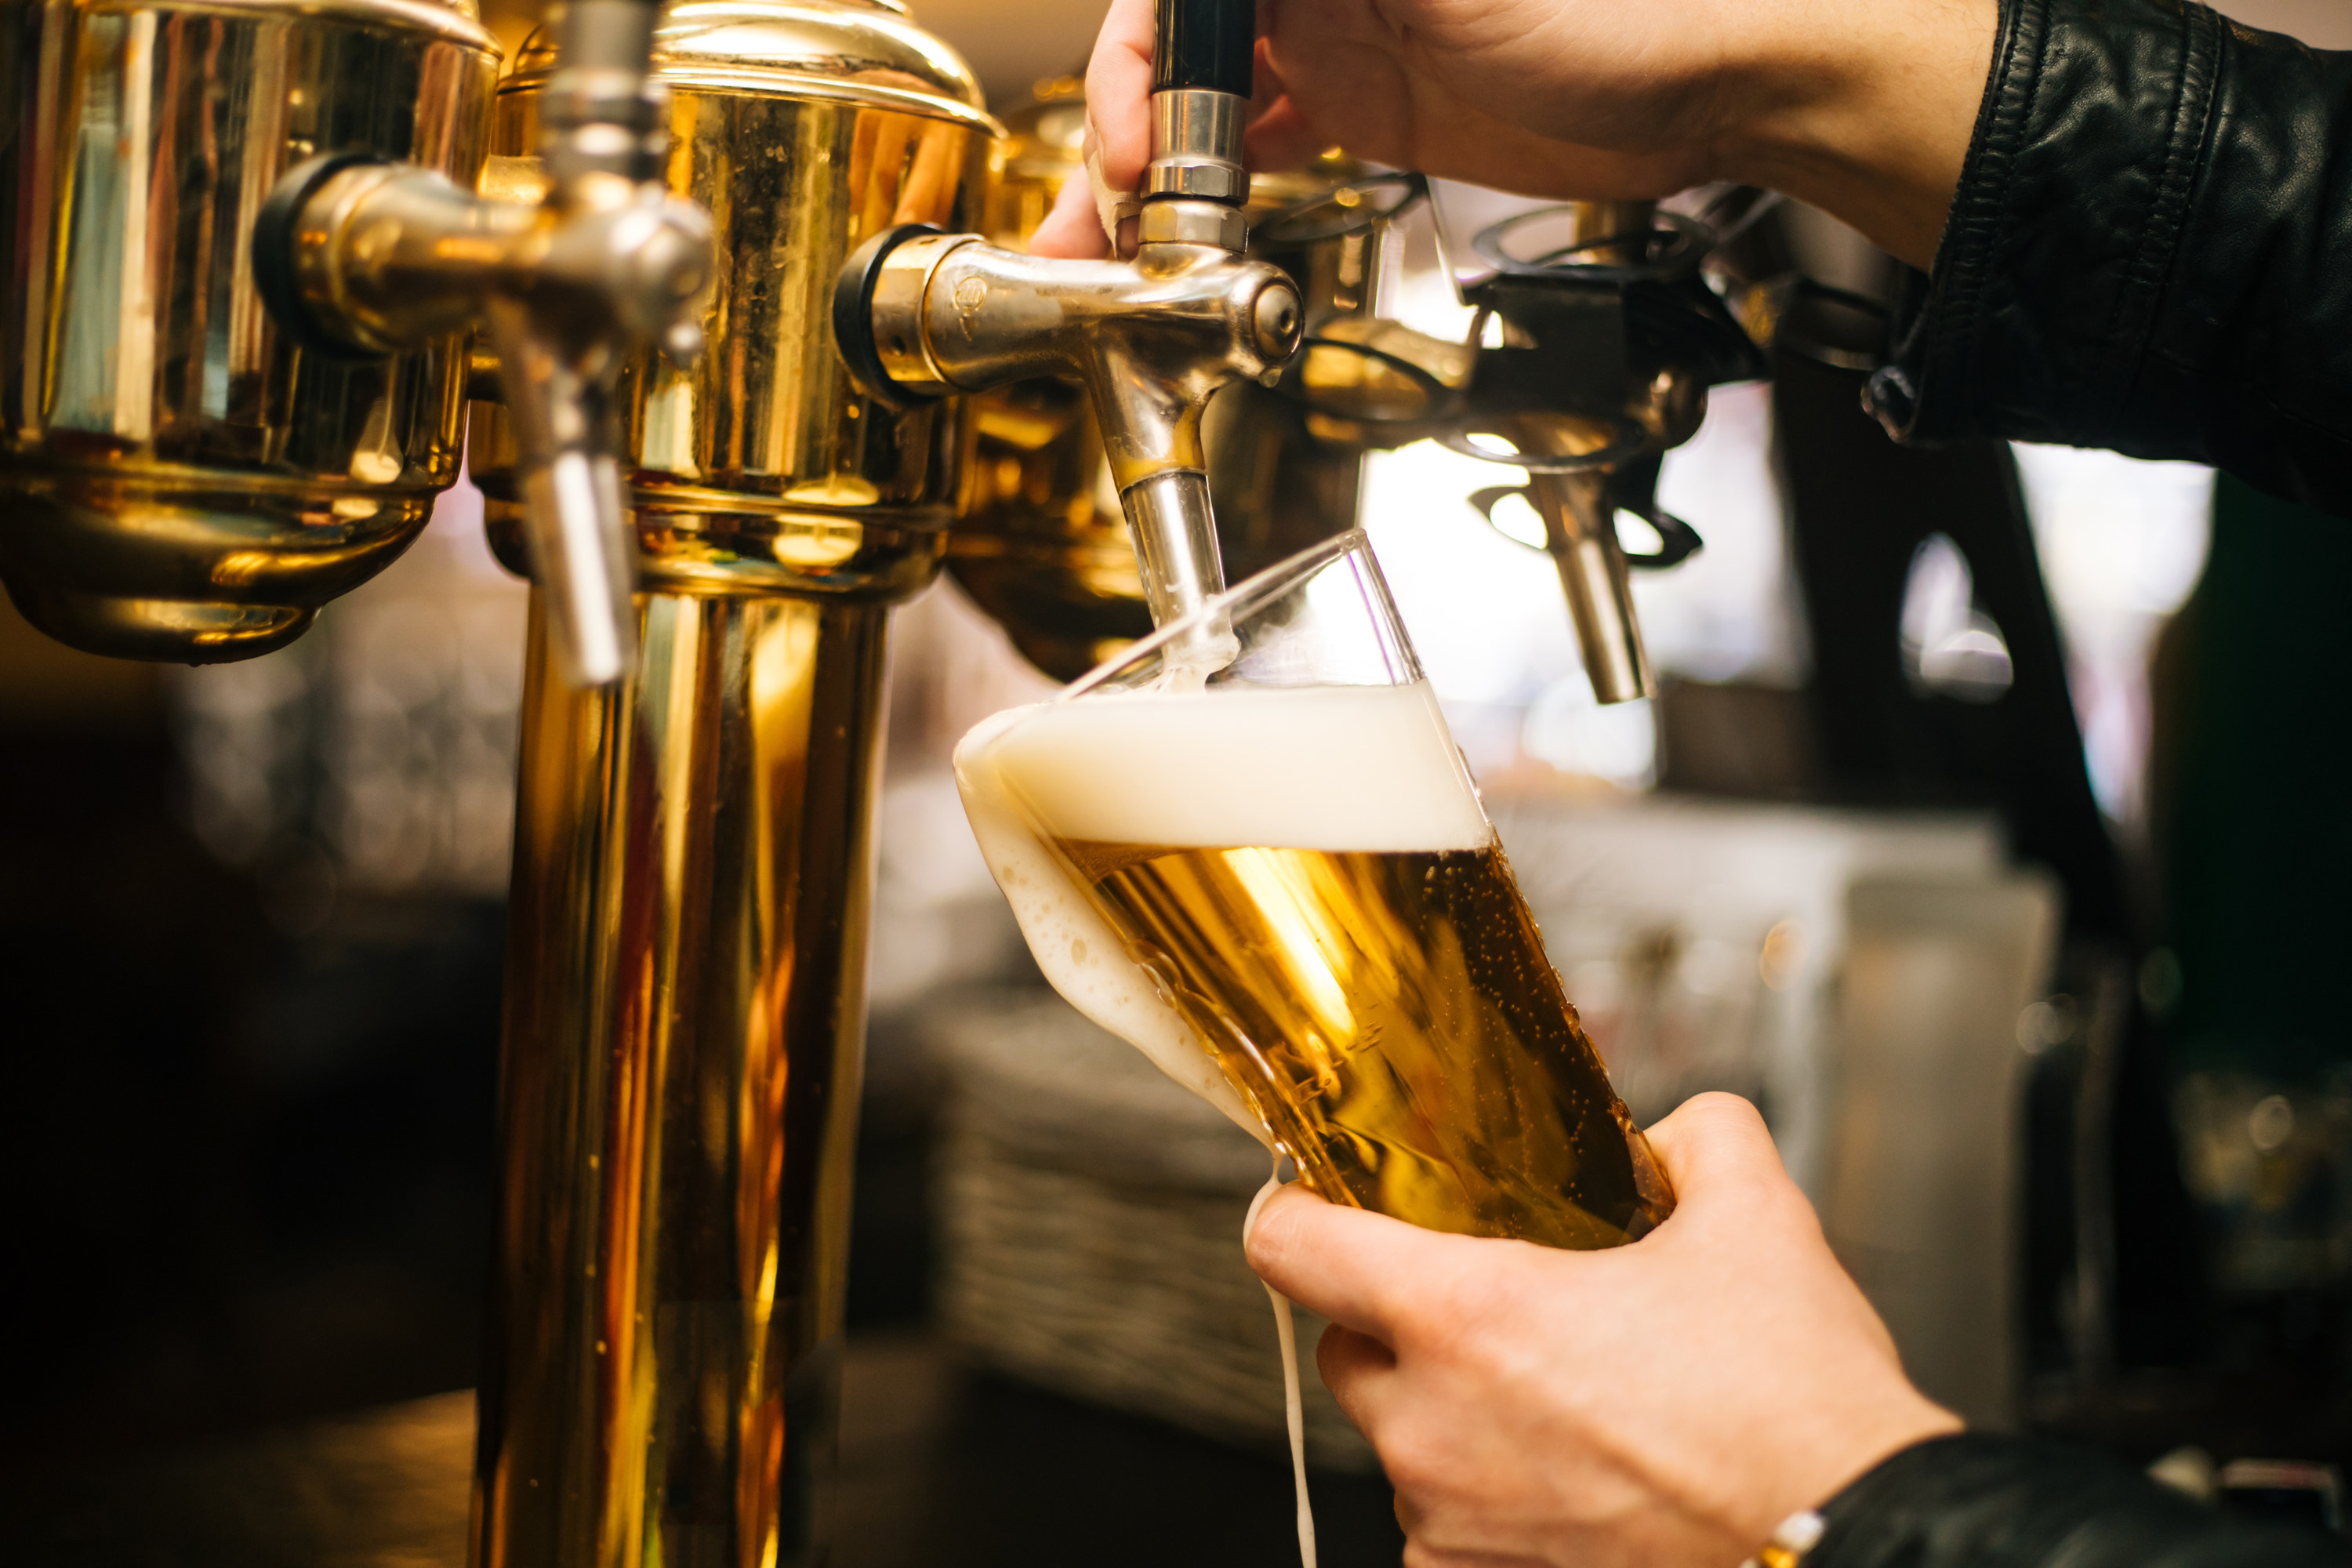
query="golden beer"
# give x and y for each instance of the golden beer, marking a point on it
(1299, 887)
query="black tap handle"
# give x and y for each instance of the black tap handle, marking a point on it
(1210, 44)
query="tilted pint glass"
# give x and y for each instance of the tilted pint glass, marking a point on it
(1265, 866)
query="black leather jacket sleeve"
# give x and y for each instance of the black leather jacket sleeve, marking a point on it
(2150, 249)
(1982, 1502)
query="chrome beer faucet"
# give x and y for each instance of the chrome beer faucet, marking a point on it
(570, 273)
(1592, 348)
(921, 315)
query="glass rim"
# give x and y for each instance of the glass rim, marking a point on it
(1252, 592)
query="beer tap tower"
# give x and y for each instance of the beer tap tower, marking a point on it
(258, 254)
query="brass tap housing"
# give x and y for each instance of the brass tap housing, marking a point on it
(367, 257)
(1152, 339)
(179, 479)
(761, 467)
(693, 844)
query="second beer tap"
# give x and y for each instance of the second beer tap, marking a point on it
(568, 275)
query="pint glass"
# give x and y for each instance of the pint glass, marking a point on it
(1250, 847)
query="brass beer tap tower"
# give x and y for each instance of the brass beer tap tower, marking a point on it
(694, 845)
(259, 255)
(179, 477)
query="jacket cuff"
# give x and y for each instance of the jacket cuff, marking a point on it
(2063, 229)
(1977, 1500)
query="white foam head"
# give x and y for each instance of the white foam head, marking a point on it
(1332, 768)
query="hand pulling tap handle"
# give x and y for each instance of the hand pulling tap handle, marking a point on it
(358, 256)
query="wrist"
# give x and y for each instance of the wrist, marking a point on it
(1841, 1446)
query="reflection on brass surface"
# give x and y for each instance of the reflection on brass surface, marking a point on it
(1046, 550)
(686, 955)
(685, 1013)
(714, 542)
(801, 130)
(1044, 142)
(177, 479)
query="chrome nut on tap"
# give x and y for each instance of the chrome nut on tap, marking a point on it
(1278, 322)
(1196, 137)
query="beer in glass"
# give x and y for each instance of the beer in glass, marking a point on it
(1250, 847)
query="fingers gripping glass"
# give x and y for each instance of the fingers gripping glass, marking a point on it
(1277, 880)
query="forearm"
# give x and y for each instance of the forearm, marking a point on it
(1862, 111)
(1981, 1501)
(2145, 250)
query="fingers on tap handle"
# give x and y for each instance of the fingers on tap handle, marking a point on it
(1206, 44)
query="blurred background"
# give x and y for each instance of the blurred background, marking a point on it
(2057, 991)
